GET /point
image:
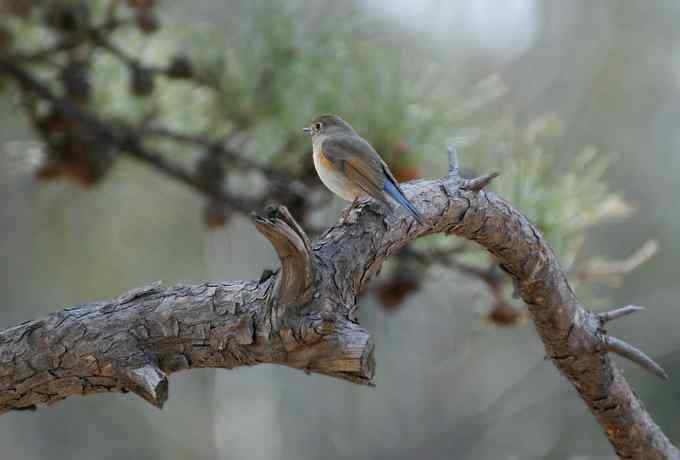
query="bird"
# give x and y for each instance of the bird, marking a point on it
(350, 167)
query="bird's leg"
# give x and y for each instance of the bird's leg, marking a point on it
(348, 210)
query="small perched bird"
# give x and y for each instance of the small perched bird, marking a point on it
(350, 167)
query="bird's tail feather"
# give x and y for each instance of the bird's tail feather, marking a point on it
(397, 195)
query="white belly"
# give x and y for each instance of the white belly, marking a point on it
(336, 182)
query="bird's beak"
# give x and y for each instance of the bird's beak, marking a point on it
(307, 130)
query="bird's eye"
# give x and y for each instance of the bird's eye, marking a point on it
(317, 127)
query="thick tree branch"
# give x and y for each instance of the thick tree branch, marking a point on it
(132, 342)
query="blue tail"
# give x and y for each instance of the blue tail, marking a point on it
(397, 195)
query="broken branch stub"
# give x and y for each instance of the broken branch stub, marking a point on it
(147, 381)
(296, 276)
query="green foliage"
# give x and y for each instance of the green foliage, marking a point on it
(564, 193)
(271, 66)
(279, 68)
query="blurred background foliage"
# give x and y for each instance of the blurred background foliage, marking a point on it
(574, 103)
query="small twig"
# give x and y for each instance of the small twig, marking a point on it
(624, 349)
(631, 353)
(617, 313)
(478, 183)
(454, 169)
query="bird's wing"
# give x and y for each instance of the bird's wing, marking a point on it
(354, 157)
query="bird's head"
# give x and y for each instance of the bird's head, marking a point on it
(328, 124)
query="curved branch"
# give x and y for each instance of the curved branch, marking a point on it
(155, 331)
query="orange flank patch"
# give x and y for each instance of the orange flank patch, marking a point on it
(325, 162)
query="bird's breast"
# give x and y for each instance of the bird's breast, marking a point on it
(335, 180)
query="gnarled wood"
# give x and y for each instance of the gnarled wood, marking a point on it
(156, 331)
(294, 281)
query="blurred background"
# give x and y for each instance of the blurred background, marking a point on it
(576, 103)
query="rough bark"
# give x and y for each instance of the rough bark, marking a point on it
(303, 316)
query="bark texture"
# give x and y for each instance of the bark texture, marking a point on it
(303, 316)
